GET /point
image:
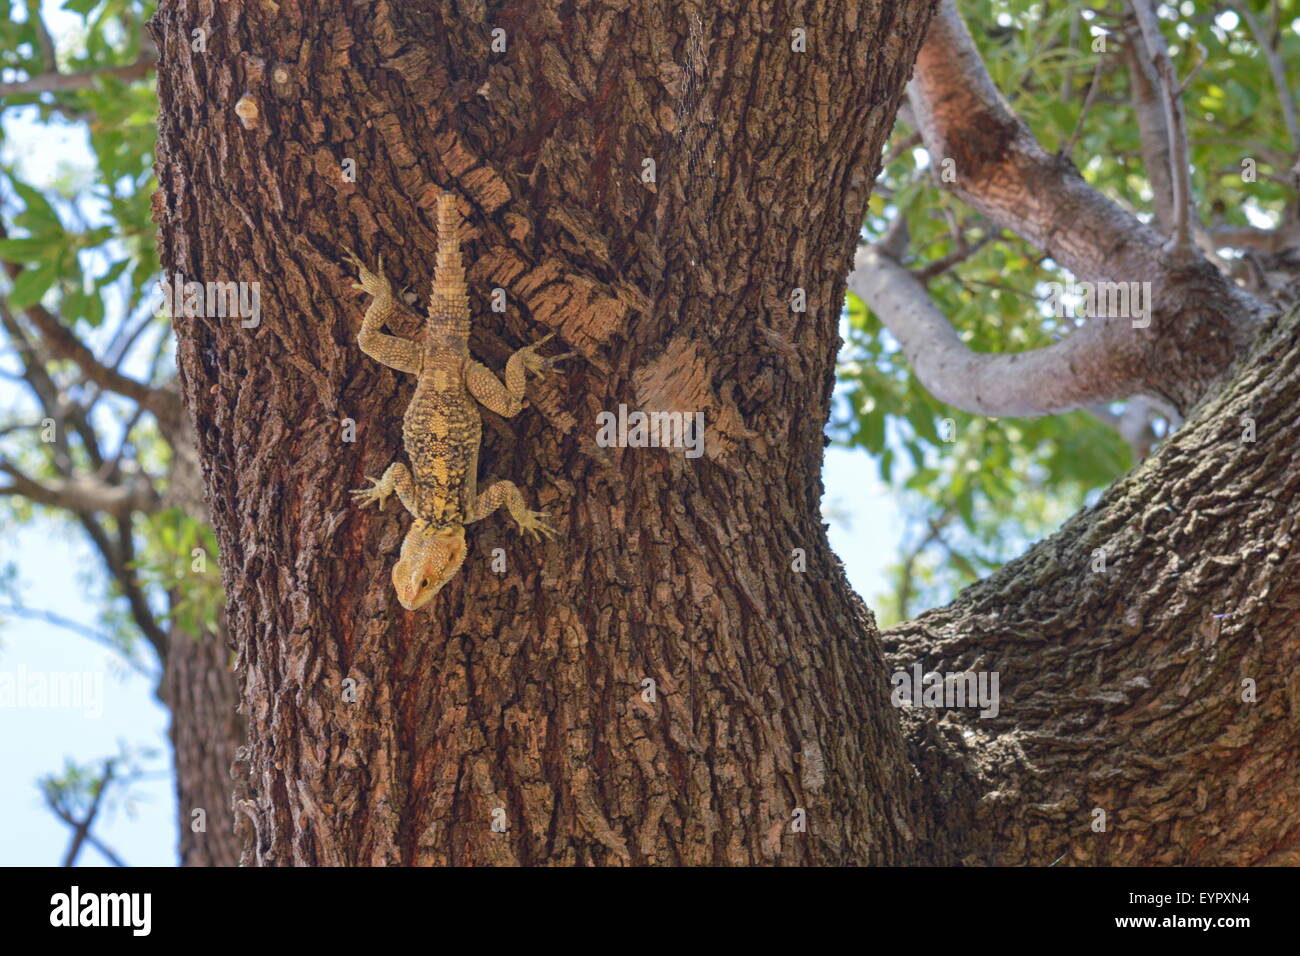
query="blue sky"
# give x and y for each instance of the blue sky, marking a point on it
(35, 741)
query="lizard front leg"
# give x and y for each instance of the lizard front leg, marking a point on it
(507, 399)
(396, 353)
(506, 493)
(396, 478)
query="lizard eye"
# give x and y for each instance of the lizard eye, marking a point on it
(424, 583)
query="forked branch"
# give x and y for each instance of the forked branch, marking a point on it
(1171, 94)
(1093, 364)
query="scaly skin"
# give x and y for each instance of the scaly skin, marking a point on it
(441, 429)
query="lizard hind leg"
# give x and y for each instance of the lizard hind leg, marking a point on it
(507, 399)
(396, 479)
(506, 493)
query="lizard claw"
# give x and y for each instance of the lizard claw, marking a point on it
(375, 283)
(375, 493)
(533, 524)
(550, 362)
(537, 364)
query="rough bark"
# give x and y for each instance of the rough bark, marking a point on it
(1122, 689)
(200, 690)
(522, 692)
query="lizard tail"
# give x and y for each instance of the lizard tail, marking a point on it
(449, 299)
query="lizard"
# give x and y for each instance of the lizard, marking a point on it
(441, 428)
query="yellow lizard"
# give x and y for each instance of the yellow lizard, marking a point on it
(441, 428)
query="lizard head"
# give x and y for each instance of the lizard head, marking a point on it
(430, 558)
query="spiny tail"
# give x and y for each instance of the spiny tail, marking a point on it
(449, 300)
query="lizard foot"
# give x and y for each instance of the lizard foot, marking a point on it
(376, 493)
(533, 524)
(537, 364)
(375, 283)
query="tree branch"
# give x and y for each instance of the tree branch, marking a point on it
(1134, 424)
(1152, 131)
(48, 394)
(90, 838)
(1099, 362)
(1181, 246)
(140, 609)
(46, 42)
(116, 559)
(1003, 172)
(1201, 321)
(1270, 241)
(81, 829)
(82, 493)
(76, 627)
(1278, 70)
(1095, 85)
(1146, 652)
(959, 255)
(66, 82)
(61, 343)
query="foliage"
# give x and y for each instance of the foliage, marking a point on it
(1003, 483)
(83, 235)
(179, 557)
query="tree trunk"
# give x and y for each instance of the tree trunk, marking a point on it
(519, 698)
(1158, 684)
(200, 690)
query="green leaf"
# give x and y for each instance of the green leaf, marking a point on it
(32, 284)
(39, 215)
(84, 7)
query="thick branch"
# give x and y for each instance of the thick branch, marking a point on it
(1146, 656)
(1099, 362)
(1200, 322)
(1003, 172)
